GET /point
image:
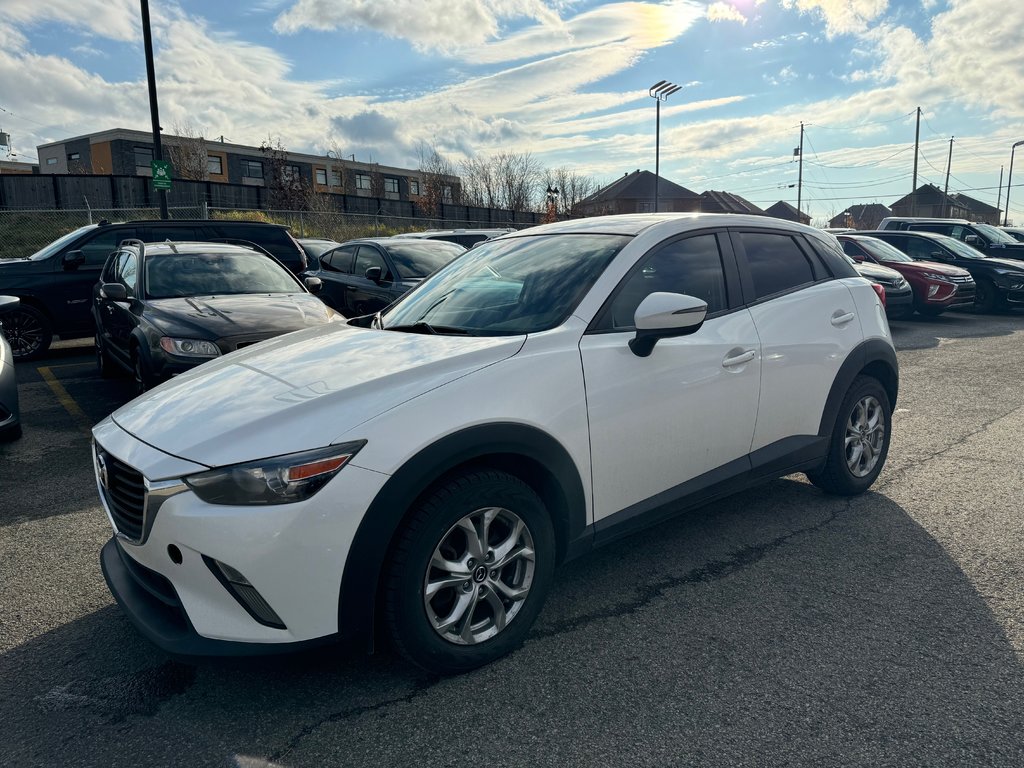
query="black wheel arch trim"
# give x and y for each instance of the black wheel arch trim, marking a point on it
(503, 445)
(873, 357)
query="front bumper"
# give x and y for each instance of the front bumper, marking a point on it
(10, 420)
(292, 555)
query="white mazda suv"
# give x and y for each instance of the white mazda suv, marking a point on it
(420, 472)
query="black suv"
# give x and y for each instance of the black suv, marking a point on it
(55, 283)
(1000, 282)
(990, 240)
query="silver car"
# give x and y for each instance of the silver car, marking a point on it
(10, 422)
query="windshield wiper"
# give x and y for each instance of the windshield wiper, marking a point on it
(421, 326)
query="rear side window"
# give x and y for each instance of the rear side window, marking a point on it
(162, 234)
(777, 264)
(942, 229)
(338, 260)
(273, 239)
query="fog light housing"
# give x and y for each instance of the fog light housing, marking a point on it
(245, 593)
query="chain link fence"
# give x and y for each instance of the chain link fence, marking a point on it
(22, 233)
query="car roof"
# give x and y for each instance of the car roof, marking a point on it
(908, 233)
(174, 248)
(635, 223)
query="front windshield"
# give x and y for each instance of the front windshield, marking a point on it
(415, 259)
(882, 250)
(215, 274)
(994, 235)
(510, 286)
(960, 248)
(48, 250)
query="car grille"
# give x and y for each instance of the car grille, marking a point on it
(959, 278)
(124, 490)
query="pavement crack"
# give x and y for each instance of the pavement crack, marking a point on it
(712, 571)
(351, 713)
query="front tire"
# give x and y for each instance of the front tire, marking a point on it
(859, 443)
(469, 572)
(141, 373)
(28, 331)
(985, 297)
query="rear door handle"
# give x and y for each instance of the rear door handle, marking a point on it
(740, 359)
(839, 319)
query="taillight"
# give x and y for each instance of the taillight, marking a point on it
(881, 293)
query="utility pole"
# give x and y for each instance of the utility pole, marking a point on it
(945, 192)
(999, 194)
(158, 154)
(913, 187)
(800, 172)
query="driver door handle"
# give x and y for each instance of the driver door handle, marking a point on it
(840, 319)
(739, 359)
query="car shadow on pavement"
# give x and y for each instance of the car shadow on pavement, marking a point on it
(779, 626)
(919, 332)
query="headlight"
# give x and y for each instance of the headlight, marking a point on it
(277, 480)
(1014, 281)
(936, 276)
(189, 347)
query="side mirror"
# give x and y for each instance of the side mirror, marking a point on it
(664, 315)
(938, 256)
(114, 292)
(859, 258)
(972, 240)
(313, 284)
(72, 260)
(374, 274)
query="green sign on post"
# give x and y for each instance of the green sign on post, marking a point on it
(161, 174)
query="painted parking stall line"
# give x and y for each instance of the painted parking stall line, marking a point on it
(82, 421)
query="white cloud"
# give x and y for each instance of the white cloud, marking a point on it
(443, 25)
(722, 11)
(113, 19)
(842, 16)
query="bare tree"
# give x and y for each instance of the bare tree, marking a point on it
(186, 150)
(440, 184)
(286, 188)
(478, 183)
(572, 188)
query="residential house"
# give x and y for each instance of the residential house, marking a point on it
(861, 216)
(931, 202)
(783, 210)
(634, 193)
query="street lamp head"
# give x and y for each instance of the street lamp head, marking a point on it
(1017, 144)
(662, 89)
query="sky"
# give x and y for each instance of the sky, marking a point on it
(565, 80)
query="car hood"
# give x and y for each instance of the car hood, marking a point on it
(218, 317)
(300, 391)
(877, 272)
(934, 267)
(1012, 264)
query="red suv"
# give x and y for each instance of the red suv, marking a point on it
(937, 287)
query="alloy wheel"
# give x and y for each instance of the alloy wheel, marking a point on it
(865, 436)
(25, 333)
(479, 576)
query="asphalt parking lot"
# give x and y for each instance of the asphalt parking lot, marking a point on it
(777, 627)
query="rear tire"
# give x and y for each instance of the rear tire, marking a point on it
(469, 572)
(859, 443)
(28, 331)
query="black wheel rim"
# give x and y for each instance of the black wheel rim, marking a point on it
(24, 332)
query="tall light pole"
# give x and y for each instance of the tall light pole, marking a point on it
(660, 92)
(154, 112)
(1009, 183)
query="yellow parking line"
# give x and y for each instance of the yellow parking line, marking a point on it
(83, 421)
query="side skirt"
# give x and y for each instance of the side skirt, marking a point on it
(793, 454)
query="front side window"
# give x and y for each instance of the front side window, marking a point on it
(99, 248)
(367, 256)
(692, 266)
(777, 264)
(128, 271)
(509, 287)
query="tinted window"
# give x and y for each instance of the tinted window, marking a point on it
(851, 248)
(99, 247)
(692, 266)
(128, 271)
(501, 287)
(419, 259)
(338, 260)
(942, 229)
(274, 239)
(110, 269)
(776, 263)
(178, 234)
(367, 256)
(884, 252)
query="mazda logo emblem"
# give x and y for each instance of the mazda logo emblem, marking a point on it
(101, 470)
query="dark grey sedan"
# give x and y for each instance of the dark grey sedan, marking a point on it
(362, 276)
